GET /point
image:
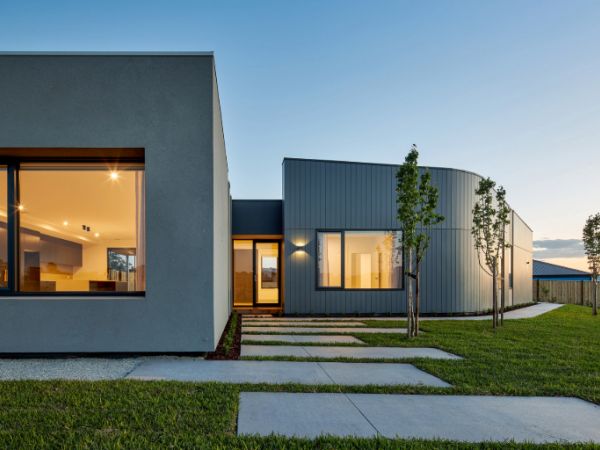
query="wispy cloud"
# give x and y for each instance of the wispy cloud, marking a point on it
(558, 248)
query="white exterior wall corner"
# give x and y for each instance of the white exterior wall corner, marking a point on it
(221, 222)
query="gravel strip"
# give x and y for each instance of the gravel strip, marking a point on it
(88, 369)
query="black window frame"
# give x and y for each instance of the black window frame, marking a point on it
(12, 165)
(343, 287)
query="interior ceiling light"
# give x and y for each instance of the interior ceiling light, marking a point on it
(66, 223)
(21, 207)
(114, 175)
(96, 234)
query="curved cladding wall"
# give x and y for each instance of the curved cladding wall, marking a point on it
(321, 195)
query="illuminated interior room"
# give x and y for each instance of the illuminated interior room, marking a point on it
(81, 228)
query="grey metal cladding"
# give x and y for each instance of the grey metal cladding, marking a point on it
(257, 217)
(344, 195)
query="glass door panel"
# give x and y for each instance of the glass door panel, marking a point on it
(267, 273)
(243, 273)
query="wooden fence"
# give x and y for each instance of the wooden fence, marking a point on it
(562, 291)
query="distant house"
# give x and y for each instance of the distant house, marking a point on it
(547, 271)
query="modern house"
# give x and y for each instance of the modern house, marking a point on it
(118, 233)
(337, 249)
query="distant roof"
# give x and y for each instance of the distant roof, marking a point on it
(545, 269)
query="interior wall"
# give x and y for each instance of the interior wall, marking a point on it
(95, 259)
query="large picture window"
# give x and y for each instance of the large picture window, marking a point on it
(359, 259)
(78, 228)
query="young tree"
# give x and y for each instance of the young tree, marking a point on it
(490, 217)
(417, 200)
(591, 243)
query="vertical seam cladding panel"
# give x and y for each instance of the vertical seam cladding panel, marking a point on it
(330, 195)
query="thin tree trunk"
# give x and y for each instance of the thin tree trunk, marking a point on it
(595, 296)
(503, 285)
(409, 319)
(494, 297)
(417, 299)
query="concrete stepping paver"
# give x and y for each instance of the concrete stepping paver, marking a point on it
(313, 338)
(302, 324)
(335, 412)
(277, 372)
(349, 374)
(290, 330)
(455, 417)
(274, 350)
(345, 352)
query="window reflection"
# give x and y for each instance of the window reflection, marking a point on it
(329, 249)
(373, 260)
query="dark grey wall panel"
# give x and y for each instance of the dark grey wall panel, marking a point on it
(163, 104)
(257, 217)
(343, 195)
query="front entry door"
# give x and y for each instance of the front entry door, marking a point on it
(266, 273)
(256, 273)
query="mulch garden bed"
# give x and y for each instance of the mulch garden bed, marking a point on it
(231, 340)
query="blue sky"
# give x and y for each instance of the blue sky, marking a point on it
(508, 89)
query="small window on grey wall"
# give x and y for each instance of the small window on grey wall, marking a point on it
(329, 248)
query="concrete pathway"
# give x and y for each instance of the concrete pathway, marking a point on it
(345, 352)
(305, 323)
(314, 338)
(291, 330)
(455, 417)
(521, 313)
(278, 372)
(314, 319)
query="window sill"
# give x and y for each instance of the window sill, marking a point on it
(336, 289)
(76, 297)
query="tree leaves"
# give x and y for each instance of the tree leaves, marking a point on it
(417, 202)
(490, 217)
(591, 242)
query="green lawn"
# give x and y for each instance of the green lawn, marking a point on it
(555, 354)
